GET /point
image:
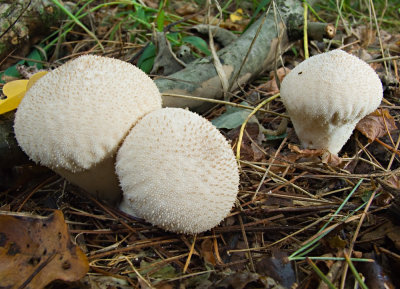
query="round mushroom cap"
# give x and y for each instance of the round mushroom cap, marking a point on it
(77, 115)
(326, 95)
(177, 171)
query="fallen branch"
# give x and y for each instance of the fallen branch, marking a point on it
(255, 51)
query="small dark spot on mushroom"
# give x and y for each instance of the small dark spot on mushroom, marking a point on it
(59, 235)
(335, 118)
(44, 252)
(300, 72)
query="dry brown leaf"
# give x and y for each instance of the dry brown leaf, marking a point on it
(249, 150)
(281, 165)
(331, 159)
(305, 152)
(271, 85)
(183, 8)
(234, 26)
(325, 156)
(207, 251)
(335, 242)
(237, 280)
(376, 124)
(393, 181)
(37, 250)
(277, 267)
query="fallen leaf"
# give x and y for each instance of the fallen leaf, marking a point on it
(305, 152)
(376, 276)
(232, 117)
(237, 15)
(36, 250)
(376, 124)
(152, 269)
(15, 90)
(331, 159)
(271, 86)
(325, 156)
(238, 280)
(394, 181)
(336, 242)
(183, 8)
(207, 251)
(105, 282)
(249, 147)
(282, 164)
(394, 236)
(277, 267)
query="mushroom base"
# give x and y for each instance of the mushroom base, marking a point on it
(126, 208)
(100, 181)
(315, 133)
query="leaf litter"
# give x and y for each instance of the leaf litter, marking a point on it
(287, 194)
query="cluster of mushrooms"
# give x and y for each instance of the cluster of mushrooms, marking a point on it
(98, 122)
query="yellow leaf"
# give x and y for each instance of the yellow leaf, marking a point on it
(237, 15)
(15, 91)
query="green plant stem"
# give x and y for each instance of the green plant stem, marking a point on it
(77, 21)
(306, 246)
(320, 274)
(68, 27)
(258, 107)
(305, 34)
(355, 272)
(332, 259)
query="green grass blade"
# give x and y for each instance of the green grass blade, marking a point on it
(298, 258)
(320, 274)
(76, 20)
(308, 245)
(355, 272)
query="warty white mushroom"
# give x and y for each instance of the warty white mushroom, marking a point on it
(74, 118)
(177, 171)
(327, 95)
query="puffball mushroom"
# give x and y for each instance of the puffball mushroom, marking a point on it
(74, 119)
(177, 171)
(327, 95)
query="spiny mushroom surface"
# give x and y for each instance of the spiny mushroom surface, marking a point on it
(327, 95)
(177, 171)
(75, 117)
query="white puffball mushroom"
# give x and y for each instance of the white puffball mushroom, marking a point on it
(327, 95)
(74, 119)
(177, 171)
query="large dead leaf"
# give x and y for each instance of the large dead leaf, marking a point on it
(377, 124)
(36, 250)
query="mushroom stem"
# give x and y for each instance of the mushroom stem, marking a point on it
(100, 181)
(315, 133)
